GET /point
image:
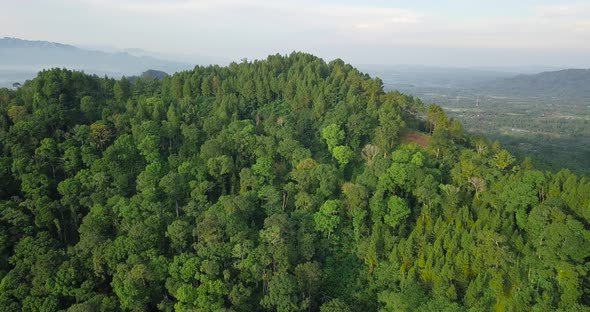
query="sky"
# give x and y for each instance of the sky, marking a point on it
(460, 33)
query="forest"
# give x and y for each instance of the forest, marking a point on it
(284, 184)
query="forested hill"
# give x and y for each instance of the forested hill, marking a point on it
(288, 184)
(569, 84)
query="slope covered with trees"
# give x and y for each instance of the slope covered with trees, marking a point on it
(275, 185)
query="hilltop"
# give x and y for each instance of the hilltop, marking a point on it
(284, 184)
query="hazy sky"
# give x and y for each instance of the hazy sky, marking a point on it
(446, 33)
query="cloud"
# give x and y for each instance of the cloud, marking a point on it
(573, 10)
(154, 6)
(255, 28)
(308, 12)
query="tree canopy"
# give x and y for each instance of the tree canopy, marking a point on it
(284, 184)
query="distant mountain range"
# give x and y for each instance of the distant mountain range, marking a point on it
(22, 59)
(568, 83)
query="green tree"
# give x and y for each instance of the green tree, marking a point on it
(327, 218)
(343, 155)
(398, 211)
(333, 136)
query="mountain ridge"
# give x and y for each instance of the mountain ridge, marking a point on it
(22, 43)
(24, 58)
(573, 83)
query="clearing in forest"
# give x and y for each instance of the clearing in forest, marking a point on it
(416, 137)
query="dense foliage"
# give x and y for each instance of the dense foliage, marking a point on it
(275, 185)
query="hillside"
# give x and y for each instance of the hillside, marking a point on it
(24, 58)
(544, 116)
(567, 84)
(286, 184)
